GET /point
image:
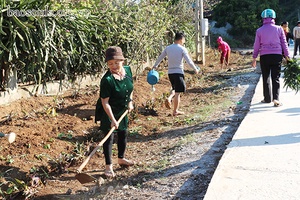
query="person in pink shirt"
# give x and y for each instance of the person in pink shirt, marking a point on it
(270, 43)
(224, 48)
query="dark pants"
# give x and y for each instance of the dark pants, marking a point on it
(296, 46)
(271, 65)
(225, 56)
(121, 144)
(177, 82)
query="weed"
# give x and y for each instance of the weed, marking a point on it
(133, 115)
(9, 159)
(79, 150)
(148, 108)
(51, 111)
(65, 160)
(138, 185)
(39, 156)
(114, 150)
(91, 89)
(57, 105)
(62, 135)
(135, 131)
(187, 139)
(40, 171)
(162, 164)
(61, 163)
(47, 146)
(185, 121)
(7, 119)
(12, 187)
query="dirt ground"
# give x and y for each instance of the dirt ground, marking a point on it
(175, 156)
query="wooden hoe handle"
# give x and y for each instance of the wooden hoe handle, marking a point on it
(100, 144)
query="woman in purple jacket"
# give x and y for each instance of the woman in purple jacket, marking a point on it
(270, 42)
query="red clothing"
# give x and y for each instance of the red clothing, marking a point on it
(225, 50)
(223, 47)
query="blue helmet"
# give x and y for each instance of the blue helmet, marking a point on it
(268, 13)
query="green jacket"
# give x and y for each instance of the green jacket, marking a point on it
(118, 92)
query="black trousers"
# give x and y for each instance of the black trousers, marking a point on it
(296, 46)
(177, 82)
(271, 66)
(121, 144)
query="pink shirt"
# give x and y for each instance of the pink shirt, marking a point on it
(270, 39)
(224, 47)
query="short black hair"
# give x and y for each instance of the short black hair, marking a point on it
(298, 22)
(284, 22)
(179, 36)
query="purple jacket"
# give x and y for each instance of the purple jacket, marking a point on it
(270, 39)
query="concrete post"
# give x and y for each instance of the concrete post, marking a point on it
(197, 28)
(12, 81)
(202, 35)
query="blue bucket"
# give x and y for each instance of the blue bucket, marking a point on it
(152, 77)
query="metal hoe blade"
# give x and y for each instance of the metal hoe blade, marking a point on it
(84, 178)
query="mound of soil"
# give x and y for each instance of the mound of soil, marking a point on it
(175, 156)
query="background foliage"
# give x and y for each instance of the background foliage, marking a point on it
(43, 48)
(244, 15)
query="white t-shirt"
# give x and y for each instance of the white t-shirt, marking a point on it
(296, 32)
(175, 53)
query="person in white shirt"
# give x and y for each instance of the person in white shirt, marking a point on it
(176, 52)
(296, 34)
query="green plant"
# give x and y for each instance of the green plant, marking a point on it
(47, 146)
(79, 150)
(61, 163)
(9, 187)
(292, 75)
(9, 159)
(42, 49)
(40, 173)
(69, 135)
(186, 139)
(149, 118)
(56, 105)
(135, 131)
(162, 164)
(244, 16)
(39, 156)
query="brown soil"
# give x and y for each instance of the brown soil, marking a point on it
(175, 156)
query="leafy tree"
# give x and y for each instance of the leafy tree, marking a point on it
(39, 48)
(243, 15)
(291, 12)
